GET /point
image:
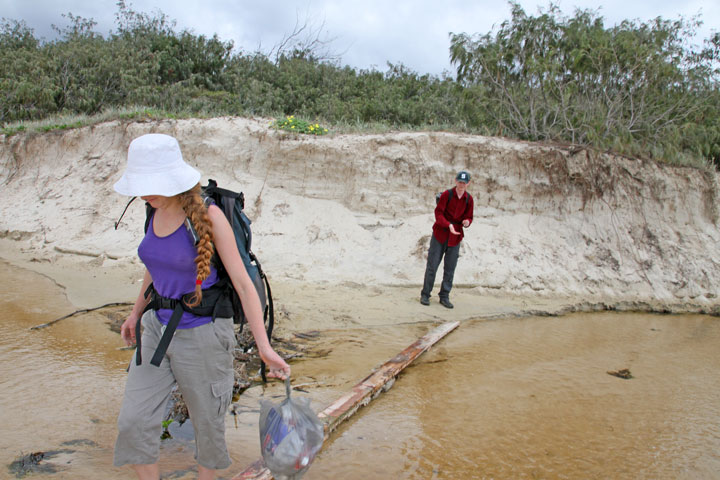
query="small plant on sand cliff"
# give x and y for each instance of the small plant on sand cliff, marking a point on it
(10, 131)
(292, 124)
(62, 126)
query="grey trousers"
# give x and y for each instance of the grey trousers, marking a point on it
(200, 360)
(435, 255)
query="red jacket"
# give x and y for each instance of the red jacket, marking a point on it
(453, 212)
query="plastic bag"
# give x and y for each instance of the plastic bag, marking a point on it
(290, 436)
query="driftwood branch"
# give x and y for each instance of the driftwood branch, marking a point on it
(361, 394)
(76, 312)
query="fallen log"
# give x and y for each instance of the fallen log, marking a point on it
(361, 394)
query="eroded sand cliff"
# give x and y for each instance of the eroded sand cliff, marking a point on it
(342, 222)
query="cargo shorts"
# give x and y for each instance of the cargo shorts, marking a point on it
(200, 361)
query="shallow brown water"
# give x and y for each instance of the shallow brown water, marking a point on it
(513, 398)
(530, 398)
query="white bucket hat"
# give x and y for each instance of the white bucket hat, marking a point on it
(155, 166)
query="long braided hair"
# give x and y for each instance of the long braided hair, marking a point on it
(196, 210)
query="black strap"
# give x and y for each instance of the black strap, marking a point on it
(123, 213)
(138, 336)
(215, 303)
(167, 335)
(450, 194)
(138, 342)
(270, 310)
(268, 316)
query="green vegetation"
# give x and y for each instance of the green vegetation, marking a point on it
(296, 125)
(9, 131)
(636, 88)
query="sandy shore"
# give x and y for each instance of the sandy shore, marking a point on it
(90, 282)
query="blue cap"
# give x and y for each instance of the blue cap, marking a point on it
(463, 177)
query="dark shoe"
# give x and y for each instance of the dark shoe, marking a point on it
(424, 300)
(445, 302)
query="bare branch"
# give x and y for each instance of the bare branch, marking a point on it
(307, 40)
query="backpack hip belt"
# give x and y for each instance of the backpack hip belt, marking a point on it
(215, 303)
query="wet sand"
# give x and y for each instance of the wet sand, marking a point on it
(506, 397)
(88, 282)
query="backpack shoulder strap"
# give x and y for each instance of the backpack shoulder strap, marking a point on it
(149, 211)
(450, 197)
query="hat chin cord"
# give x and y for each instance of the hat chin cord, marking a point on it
(123, 212)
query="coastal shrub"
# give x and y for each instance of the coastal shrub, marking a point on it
(634, 87)
(638, 88)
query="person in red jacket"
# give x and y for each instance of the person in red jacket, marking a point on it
(453, 213)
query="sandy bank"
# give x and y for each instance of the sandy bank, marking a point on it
(342, 222)
(302, 306)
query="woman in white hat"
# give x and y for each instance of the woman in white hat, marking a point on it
(200, 357)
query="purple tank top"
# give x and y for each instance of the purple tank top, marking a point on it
(171, 263)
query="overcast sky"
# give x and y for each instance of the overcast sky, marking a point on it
(366, 34)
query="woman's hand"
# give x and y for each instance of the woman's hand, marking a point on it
(127, 330)
(227, 249)
(277, 367)
(228, 252)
